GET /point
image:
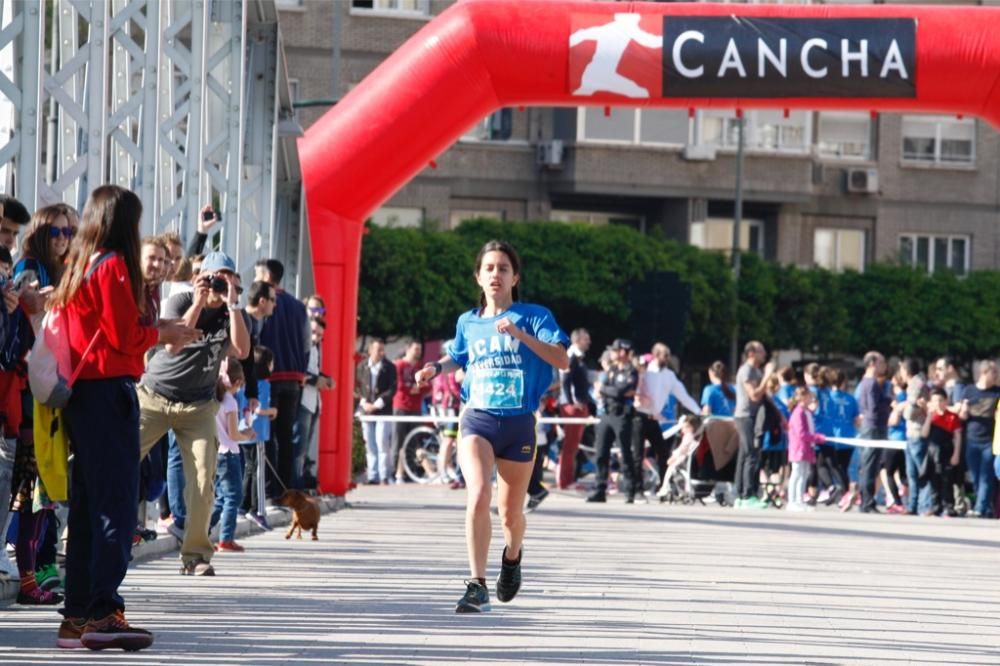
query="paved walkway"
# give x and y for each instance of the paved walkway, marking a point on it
(611, 584)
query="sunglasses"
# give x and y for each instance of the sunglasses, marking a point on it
(68, 232)
(317, 310)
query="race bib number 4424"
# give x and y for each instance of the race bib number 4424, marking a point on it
(496, 389)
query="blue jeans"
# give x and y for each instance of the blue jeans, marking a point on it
(228, 494)
(8, 447)
(305, 430)
(979, 461)
(175, 480)
(916, 451)
(103, 422)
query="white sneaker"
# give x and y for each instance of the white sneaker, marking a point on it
(796, 508)
(8, 569)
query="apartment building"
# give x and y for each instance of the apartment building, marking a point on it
(835, 189)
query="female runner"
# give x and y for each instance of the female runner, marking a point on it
(507, 350)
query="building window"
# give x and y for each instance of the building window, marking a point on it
(651, 127)
(404, 7)
(460, 215)
(716, 233)
(939, 140)
(394, 216)
(765, 130)
(846, 134)
(839, 249)
(587, 217)
(497, 126)
(935, 253)
(288, 4)
(294, 88)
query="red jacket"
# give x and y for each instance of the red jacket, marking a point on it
(105, 302)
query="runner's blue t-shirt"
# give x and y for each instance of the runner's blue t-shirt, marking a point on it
(502, 375)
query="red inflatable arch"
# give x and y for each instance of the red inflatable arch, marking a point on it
(481, 55)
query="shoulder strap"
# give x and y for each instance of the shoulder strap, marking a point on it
(97, 262)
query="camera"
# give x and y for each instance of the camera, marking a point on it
(219, 285)
(210, 214)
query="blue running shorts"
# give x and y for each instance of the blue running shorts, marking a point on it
(512, 437)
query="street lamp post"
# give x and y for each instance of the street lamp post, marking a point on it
(737, 221)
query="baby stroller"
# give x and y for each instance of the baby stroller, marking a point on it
(703, 464)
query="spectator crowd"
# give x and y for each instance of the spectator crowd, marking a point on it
(182, 388)
(882, 437)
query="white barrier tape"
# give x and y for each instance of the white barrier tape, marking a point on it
(869, 443)
(554, 420)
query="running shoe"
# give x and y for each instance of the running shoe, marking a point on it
(48, 578)
(475, 600)
(70, 632)
(197, 567)
(230, 547)
(536, 499)
(753, 503)
(509, 579)
(114, 631)
(259, 520)
(597, 496)
(36, 596)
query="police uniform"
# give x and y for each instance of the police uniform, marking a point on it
(618, 396)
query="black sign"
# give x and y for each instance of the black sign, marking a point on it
(738, 56)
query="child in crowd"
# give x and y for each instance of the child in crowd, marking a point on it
(229, 477)
(802, 436)
(943, 431)
(253, 495)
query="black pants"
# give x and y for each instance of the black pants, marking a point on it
(103, 420)
(286, 396)
(942, 476)
(647, 429)
(870, 459)
(611, 428)
(747, 478)
(892, 461)
(535, 483)
(249, 502)
(400, 430)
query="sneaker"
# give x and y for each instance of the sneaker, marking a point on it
(754, 503)
(597, 496)
(259, 520)
(536, 499)
(163, 525)
(738, 503)
(475, 600)
(230, 547)
(48, 578)
(795, 508)
(8, 570)
(630, 499)
(509, 579)
(824, 496)
(896, 509)
(70, 632)
(176, 530)
(36, 596)
(197, 567)
(113, 631)
(457, 485)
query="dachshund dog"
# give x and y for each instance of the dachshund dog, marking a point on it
(305, 512)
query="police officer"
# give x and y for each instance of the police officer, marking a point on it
(618, 396)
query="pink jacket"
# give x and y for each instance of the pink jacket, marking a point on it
(801, 437)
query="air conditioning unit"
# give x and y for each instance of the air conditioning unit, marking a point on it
(549, 154)
(864, 181)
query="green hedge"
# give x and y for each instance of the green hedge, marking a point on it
(416, 282)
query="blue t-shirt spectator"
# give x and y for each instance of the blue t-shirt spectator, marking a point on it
(715, 399)
(260, 424)
(822, 418)
(843, 415)
(897, 433)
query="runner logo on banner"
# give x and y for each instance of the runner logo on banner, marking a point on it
(647, 57)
